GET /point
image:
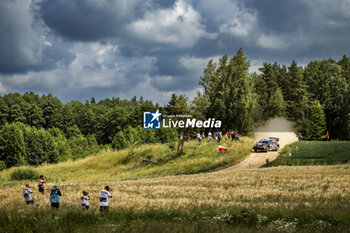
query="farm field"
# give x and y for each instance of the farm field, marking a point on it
(308, 194)
(314, 153)
(278, 188)
(274, 199)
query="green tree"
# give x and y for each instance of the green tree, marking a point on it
(40, 146)
(296, 94)
(73, 131)
(277, 105)
(119, 141)
(316, 121)
(228, 88)
(52, 111)
(146, 136)
(35, 117)
(4, 111)
(12, 145)
(265, 85)
(62, 146)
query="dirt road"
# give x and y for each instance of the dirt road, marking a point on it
(276, 127)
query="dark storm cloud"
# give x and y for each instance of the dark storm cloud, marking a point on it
(24, 43)
(93, 20)
(82, 20)
(104, 48)
(281, 16)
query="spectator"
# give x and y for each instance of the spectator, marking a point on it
(85, 201)
(55, 200)
(104, 199)
(41, 182)
(27, 193)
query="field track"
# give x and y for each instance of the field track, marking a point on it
(277, 127)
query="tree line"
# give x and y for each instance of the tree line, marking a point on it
(315, 97)
(41, 129)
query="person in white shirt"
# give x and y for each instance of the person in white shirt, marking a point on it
(85, 200)
(105, 195)
(209, 136)
(199, 137)
(27, 193)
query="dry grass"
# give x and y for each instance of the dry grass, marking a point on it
(112, 165)
(268, 188)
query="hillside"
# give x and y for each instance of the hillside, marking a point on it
(127, 164)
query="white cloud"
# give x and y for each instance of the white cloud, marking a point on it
(228, 16)
(196, 64)
(179, 26)
(2, 89)
(241, 23)
(271, 42)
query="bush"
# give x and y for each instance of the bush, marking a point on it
(24, 174)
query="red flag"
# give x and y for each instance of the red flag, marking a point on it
(221, 148)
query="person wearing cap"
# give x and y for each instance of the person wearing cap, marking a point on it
(55, 194)
(85, 200)
(27, 193)
(104, 199)
(41, 182)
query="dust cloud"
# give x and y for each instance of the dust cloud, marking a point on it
(276, 127)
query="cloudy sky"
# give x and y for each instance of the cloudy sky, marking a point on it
(76, 49)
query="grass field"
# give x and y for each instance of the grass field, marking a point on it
(126, 164)
(234, 220)
(314, 153)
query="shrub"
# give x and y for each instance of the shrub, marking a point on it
(24, 174)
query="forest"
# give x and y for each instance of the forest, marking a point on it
(36, 129)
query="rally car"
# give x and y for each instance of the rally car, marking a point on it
(265, 145)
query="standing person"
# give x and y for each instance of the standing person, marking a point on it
(41, 182)
(180, 144)
(27, 193)
(300, 138)
(209, 136)
(237, 136)
(104, 199)
(327, 136)
(55, 200)
(199, 137)
(203, 136)
(85, 200)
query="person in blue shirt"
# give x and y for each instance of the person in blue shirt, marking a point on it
(55, 200)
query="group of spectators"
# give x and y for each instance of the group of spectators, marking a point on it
(55, 194)
(218, 136)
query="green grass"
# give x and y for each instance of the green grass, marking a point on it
(229, 220)
(313, 153)
(126, 164)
